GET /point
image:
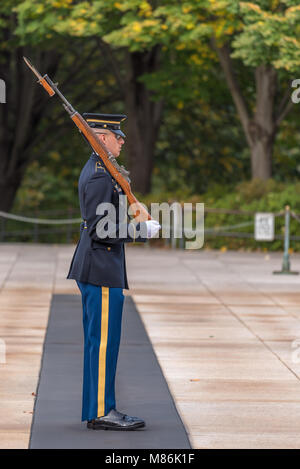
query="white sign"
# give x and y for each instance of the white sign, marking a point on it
(264, 227)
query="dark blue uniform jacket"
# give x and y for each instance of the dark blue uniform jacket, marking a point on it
(101, 261)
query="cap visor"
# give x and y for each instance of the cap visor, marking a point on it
(118, 132)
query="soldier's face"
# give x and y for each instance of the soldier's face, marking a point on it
(112, 141)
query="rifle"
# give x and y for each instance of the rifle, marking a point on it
(138, 210)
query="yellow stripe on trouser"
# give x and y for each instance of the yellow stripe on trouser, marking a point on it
(102, 352)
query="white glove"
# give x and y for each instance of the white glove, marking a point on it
(153, 228)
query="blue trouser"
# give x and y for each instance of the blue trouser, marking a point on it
(102, 318)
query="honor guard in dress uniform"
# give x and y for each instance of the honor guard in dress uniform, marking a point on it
(98, 266)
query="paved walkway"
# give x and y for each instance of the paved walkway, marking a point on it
(225, 330)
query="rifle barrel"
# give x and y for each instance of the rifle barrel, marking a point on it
(65, 101)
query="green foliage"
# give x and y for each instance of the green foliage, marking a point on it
(45, 188)
(254, 196)
(200, 148)
(260, 32)
(269, 35)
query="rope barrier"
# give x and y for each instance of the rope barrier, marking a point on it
(295, 216)
(215, 230)
(237, 212)
(228, 227)
(212, 230)
(46, 221)
(41, 221)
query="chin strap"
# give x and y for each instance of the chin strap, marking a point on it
(121, 168)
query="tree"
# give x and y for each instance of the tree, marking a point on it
(95, 21)
(28, 120)
(261, 36)
(23, 108)
(143, 43)
(268, 32)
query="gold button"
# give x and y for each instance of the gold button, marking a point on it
(108, 249)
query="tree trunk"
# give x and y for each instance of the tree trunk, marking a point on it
(19, 119)
(261, 159)
(8, 190)
(144, 116)
(262, 128)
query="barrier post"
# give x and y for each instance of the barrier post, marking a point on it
(286, 256)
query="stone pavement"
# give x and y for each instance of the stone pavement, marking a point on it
(225, 330)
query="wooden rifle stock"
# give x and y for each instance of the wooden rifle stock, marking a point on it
(137, 210)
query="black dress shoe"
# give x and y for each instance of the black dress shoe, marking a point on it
(115, 420)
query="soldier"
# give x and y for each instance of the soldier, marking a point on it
(98, 266)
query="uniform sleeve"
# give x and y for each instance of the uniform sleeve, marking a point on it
(104, 222)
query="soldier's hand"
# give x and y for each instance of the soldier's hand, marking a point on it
(153, 228)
